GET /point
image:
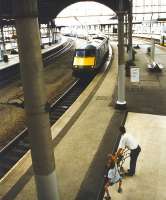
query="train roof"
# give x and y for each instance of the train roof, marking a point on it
(93, 44)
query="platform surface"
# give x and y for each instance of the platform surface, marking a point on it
(78, 148)
(81, 154)
(150, 179)
(14, 59)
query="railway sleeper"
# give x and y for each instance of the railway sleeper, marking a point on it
(17, 151)
(6, 163)
(68, 103)
(11, 157)
(71, 98)
(58, 109)
(57, 117)
(4, 168)
(1, 173)
(61, 106)
(22, 145)
(58, 112)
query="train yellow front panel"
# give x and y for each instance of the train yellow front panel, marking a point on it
(84, 61)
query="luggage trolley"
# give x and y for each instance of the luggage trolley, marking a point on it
(120, 161)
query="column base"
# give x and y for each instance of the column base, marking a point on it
(121, 105)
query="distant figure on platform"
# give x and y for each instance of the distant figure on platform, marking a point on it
(127, 141)
(113, 176)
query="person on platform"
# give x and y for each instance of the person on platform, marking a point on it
(113, 176)
(129, 142)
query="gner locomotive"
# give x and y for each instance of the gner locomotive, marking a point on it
(89, 57)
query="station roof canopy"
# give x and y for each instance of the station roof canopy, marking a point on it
(49, 9)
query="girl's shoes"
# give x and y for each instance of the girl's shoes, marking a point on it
(107, 198)
(120, 190)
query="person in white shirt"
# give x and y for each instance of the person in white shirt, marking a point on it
(127, 141)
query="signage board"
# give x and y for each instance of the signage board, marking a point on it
(134, 74)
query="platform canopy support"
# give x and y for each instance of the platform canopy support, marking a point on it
(121, 102)
(130, 41)
(3, 39)
(26, 14)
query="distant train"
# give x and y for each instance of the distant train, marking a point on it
(89, 57)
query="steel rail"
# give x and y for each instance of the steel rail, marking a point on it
(13, 73)
(16, 148)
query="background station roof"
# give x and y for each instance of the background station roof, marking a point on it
(49, 9)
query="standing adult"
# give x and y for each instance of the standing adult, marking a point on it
(129, 142)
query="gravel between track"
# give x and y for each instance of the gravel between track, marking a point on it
(12, 119)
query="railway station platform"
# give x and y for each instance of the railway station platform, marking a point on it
(14, 59)
(88, 131)
(149, 180)
(148, 36)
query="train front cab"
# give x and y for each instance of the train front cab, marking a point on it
(84, 62)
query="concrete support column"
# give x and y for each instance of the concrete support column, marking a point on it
(35, 99)
(53, 29)
(130, 42)
(153, 50)
(121, 102)
(49, 33)
(3, 40)
(126, 31)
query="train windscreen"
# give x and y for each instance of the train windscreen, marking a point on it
(85, 53)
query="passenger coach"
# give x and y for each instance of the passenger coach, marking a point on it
(89, 58)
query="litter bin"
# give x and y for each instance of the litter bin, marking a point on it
(149, 50)
(42, 46)
(127, 67)
(1, 55)
(133, 54)
(5, 58)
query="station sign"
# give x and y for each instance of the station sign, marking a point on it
(134, 74)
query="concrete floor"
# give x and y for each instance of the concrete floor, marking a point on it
(14, 59)
(80, 169)
(150, 179)
(78, 149)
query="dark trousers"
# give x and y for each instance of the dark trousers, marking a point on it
(133, 159)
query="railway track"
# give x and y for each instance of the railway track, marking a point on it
(15, 150)
(13, 73)
(59, 51)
